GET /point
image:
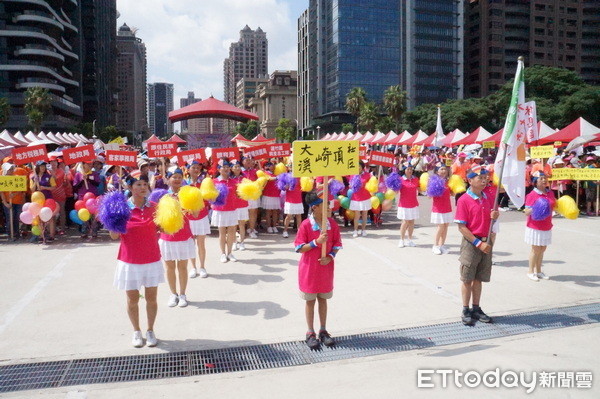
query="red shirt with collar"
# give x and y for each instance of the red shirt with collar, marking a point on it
(474, 212)
(139, 245)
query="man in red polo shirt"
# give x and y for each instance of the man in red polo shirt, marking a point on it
(474, 215)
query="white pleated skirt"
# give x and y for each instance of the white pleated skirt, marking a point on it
(253, 204)
(408, 213)
(538, 237)
(293, 209)
(177, 250)
(270, 203)
(200, 227)
(224, 218)
(130, 276)
(361, 205)
(242, 213)
(441, 218)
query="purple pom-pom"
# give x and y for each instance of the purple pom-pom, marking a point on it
(222, 197)
(157, 194)
(335, 186)
(292, 182)
(393, 181)
(355, 183)
(436, 186)
(541, 209)
(114, 212)
(282, 182)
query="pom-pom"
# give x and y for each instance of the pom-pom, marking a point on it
(423, 180)
(382, 187)
(292, 182)
(567, 207)
(208, 190)
(335, 186)
(114, 212)
(223, 192)
(262, 181)
(495, 180)
(191, 199)
(457, 184)
(307, 183)
(541, 209)
(283, 181)
(436, 186)
(169, 215)
(261, 173)
(372, 185)
(279, 169)
(249, 190)
(355, 183)
(157, 194)
(393, 181)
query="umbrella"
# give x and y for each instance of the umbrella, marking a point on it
(582, 140)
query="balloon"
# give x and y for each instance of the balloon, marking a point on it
(74, 217)
(387, 204)
(50, 203)
(382, 186)
(350, 214)
(26, 217)
(36, 221)
(336, 205)
(34, 209)
(36, 231)
(345, 203)
(45, 214)
(80, 204)
(381, 196)
(340, 197)
(375, 202)
(390, 194)
(84, 214)
(349, 194)
(88, 196)
(377, 210)
(26, 206)
(38, 197)
(92, 205)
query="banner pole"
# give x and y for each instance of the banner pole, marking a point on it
(577, 195)
(10, 209)
(325, 212)
(597, 197)
(496, 196)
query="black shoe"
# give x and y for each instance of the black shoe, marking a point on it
(325, 338)
(478, 314)
(467, 319)
(312, 342)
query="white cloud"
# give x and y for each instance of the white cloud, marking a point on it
(187, 40)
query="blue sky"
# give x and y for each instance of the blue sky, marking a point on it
(187, 40)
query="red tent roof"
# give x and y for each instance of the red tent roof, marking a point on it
(496, 137)
(153, 139)
(211, 108)
(478, 134)
(417, 138)
(176, 139)
(260, 138)
(579, 127)
(238, 137)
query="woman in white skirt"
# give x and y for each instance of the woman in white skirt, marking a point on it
(139, 262)
(539, 204)
(225, 215)
(249, 172)
(241, 206)
(271, 199)
(441, 207)
(177, 249)
(199, 224)
(360, 201)
(408, 206)
(292, 207)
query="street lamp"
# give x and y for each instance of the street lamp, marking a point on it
(318, 132)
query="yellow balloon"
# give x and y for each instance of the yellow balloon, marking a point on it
(375, 202)
(38, 197)
(36, 231)
(349, 214)
(390, 194)
(83, 214)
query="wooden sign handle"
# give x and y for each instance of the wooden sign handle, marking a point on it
(325, 213)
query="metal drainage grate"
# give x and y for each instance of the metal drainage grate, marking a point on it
(28, 376)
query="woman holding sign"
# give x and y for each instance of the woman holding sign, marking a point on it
(44, 181)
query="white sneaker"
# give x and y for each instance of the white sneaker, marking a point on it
(542, 276)
(203, 273)
(137, 340)
(533, 277)
(224, 258)
(232, 258)
(411, 243)
(355, 234)
(275, 230)
(193, 273)
(173, 299)
(436, 250)
(444, 249)
(269, 230)
(182, 301)
(235, 246)
(241, 246)
(364, 233)
(285, 234)
(253, 235)
(401, 244)
(151, 340)
(249, 231)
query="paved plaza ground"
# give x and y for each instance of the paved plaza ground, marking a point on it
(58, 302)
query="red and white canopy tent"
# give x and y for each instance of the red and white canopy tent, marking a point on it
(414, 139)
(405, 135)
(580, 127)
(479, 134)
(176, 139)
(211, 108)
(326, 137)
(258, 140)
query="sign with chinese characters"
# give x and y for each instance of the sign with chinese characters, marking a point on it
(79, 154)
(325, 158)
(382, 158)
(527, 121)
(257, 152)
(575, 174)
(25, 155)
(158, 150)
(489, 144)
(279, 150)
(362, 152)
(13, 183)
(121, 158)
(542, 151)
(188, 156)
(558, 143)
(230, 152)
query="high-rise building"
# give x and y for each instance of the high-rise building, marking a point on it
(99, 68)
(131, 82)
(374, 45)
(553, 33)
(160, 103)
(196, 125)
(40, 47)
(184, 102)
(245, 89)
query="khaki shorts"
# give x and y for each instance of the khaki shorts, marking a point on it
(474, 264)
(312, 297)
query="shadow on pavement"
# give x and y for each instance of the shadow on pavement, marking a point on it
(586, 281)
(272, 310)
(247, 279)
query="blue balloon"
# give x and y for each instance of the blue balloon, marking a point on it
(349, 194)
(75, 217)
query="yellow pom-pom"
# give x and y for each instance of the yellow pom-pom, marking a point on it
(208, 190)
(457, 184)
(307, 183)
(423, 181)
(372, 185)
(261, 173)
(280, 168)
(495, 180)
(390, 194)
(262, 181)
(375, 202)
(567, 207)
(191, 199)
(169, 216)
(249, 190)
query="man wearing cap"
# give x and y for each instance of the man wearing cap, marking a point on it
(474, 215)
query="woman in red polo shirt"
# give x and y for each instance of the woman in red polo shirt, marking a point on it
(139, 262)
(241, 205)
(408, 207)
(292, 207)
(441, 208)
(225, 215)
(360, 202)
(199, 225)
(271, 200)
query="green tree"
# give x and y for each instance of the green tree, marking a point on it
(285, 131)
(386, 124)
(4, 111)
(108, 133)
(368, 117)
(355, 101)
(247, 129)
(394, 103)
(584, 103)
(347, 127)
(37, 106)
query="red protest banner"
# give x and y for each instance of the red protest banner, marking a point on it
(121, 158)
(382, 158)
(184, 157)
(229, 152)
(157, 150)
(279, 150)
(362, 152)
(25, 155)
(79, 154)
(257, 152)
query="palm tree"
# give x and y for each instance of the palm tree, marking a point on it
(355, 100)
(369, 115)
(394, 103)
(37, 106)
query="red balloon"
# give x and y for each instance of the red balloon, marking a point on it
(88, 196)
(336, 205)
(79, 205)
(50, 203)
